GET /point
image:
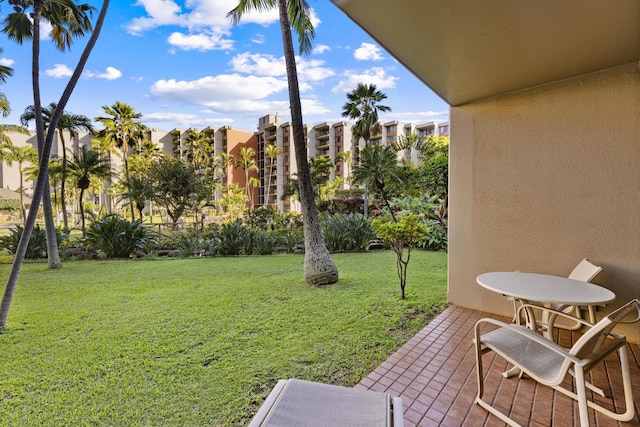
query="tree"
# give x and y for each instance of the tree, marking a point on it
(86, 165)
(72, 123)
(272, 152)
(200, 149)
(139, 190)
(247, 161)
(68, 20)
(377, 169)
(319, 268)
(175, 186)
(402, 234)
(120, 127)
(21, 155)
(41, 183)
(363, 107)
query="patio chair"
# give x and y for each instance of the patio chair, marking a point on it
(585, 271)
(549, 364)
(298, 403)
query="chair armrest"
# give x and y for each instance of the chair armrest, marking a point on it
(557, 312)
(526, 332)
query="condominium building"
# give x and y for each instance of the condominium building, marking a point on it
(275, 165)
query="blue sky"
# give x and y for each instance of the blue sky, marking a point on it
(181, 64)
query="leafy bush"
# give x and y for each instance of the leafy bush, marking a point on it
(288, 238)
(37, 247)
(346, 232)
(231, 238)
(259, 243)
(117, 237)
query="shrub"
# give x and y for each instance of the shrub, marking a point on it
(117, 237)
(37, 247)
(231, 238)
(259, 243)
(288, 238)
(346, 232)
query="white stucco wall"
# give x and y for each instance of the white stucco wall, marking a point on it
(542, 178)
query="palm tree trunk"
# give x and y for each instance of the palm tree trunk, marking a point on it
(319, 268)
(81, 209)
(63, 203)
(42, 180)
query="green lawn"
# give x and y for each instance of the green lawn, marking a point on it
(201, 341)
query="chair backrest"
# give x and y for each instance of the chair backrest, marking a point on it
(585, 271)
(591, 343)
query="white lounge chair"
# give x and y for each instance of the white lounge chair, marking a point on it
(298, 403)
(549, 363)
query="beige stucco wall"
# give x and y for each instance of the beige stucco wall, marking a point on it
(542, 178)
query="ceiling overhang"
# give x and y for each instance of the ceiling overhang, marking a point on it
(469, 50)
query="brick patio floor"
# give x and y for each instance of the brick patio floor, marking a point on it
(434, 373)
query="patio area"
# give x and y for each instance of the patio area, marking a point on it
(434, 373)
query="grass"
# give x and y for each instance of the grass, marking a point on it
(198, 341)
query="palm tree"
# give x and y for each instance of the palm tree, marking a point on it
(120, 126)
(106, 147)
(363, 107)
(272, 152)
(86, 165)
(139, 190)
(319, 268)
(247, 161)
(72, 123)
(68, 20)
(200, 149)
(378, 168)
(41, 186)
(21, 155)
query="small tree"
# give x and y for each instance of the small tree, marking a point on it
(405, 233)
(174, 184)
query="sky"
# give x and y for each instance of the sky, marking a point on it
(182, 64)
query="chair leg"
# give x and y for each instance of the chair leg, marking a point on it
(582, 397)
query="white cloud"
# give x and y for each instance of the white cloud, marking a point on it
(375, 75)
(205, 20)
(58, 71)
(218, 91)
(201, 42)
(161, 12)
(5, 62)
(258, 64)
(111, 73)
(180, 118)
(320, 49)
(268, 65)
(258, 39)
(367, 52)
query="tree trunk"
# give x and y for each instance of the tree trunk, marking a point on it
(319, 268)
(42, 180)
(63, 202)
(81, 210)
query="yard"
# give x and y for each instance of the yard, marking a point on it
(199, 341)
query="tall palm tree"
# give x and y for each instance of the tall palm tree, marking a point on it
(272, 152)
(363, 107)
(139, 190)
(246, 160)
(378, 168)
(42, 186)
(121, 127)
(72, 123)
(319, 268)
(106, 147)
(200, 149)
(21, 155)
(86, 165)
(68, 20)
